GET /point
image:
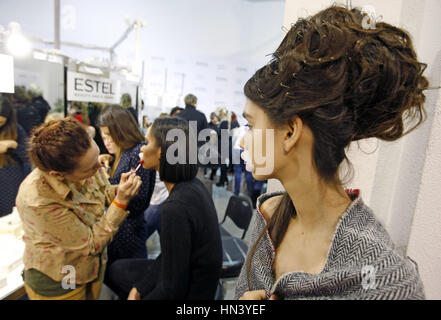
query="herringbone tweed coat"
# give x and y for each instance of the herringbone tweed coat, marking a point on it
(362, 263)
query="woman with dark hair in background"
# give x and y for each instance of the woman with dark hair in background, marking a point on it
(93, 110)
(27, 115)
(123, 139)
(330, 82)
(190, 262)
(14, 163)
(175, 110)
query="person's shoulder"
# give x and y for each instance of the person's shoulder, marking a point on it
(190, 188)
(200, 112)
(182, 113)
(174, 209)
(188, 193)
(223, 124)
(268, 204)
(32, 179)
(32, 187)
(139, 146)
(134, 151)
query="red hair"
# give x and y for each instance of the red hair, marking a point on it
(57, 145)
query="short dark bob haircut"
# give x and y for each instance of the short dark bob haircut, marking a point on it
(178, 172)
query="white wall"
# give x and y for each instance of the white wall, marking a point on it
(425, 236)
(48, 76)
(224, 35)
(401, 181)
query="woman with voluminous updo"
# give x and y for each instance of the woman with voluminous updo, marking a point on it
(330, 82)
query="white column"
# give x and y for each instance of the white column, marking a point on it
(424, 244)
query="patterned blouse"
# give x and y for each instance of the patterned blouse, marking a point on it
(362, 263)
(63, 226)
(129, 241)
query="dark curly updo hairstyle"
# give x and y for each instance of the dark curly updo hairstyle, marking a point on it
(346, 83)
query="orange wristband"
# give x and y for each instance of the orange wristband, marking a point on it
(119, 205)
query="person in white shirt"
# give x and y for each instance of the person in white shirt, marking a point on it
(254, 187)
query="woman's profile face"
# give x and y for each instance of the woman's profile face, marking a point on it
(3, 121)
(111, 146)
(151, 151)
(87, 166)
(262, 143)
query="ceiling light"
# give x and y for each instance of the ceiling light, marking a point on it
(16, 43)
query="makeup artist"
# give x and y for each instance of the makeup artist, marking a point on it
(61, 203)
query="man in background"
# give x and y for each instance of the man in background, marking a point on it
(126, 102)
(191, 114)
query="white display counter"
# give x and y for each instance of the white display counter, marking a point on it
(11, 254)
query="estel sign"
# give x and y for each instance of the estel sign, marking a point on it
(83, 87)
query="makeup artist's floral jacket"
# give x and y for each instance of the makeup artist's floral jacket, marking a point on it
(63, 226)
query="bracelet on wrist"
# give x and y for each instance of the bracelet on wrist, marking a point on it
(120, 205)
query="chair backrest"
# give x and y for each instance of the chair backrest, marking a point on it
(240, 211)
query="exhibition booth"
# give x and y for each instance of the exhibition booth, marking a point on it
(61, 80)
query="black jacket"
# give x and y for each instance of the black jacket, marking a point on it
(214, 127)
(42, 107)
(28, 117)
(190, 263)
(191, 114)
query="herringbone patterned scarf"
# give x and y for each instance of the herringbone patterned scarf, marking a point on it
(363, 263)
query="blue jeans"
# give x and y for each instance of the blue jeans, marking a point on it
(152, 217)
(125, 273)
(252, 184)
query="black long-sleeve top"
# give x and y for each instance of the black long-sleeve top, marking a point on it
(191, 250)
(129, 241)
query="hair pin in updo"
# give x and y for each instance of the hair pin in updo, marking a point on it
(289, 95)
(283, 85)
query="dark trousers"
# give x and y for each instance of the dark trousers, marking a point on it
(223, 176)
(124, 273)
